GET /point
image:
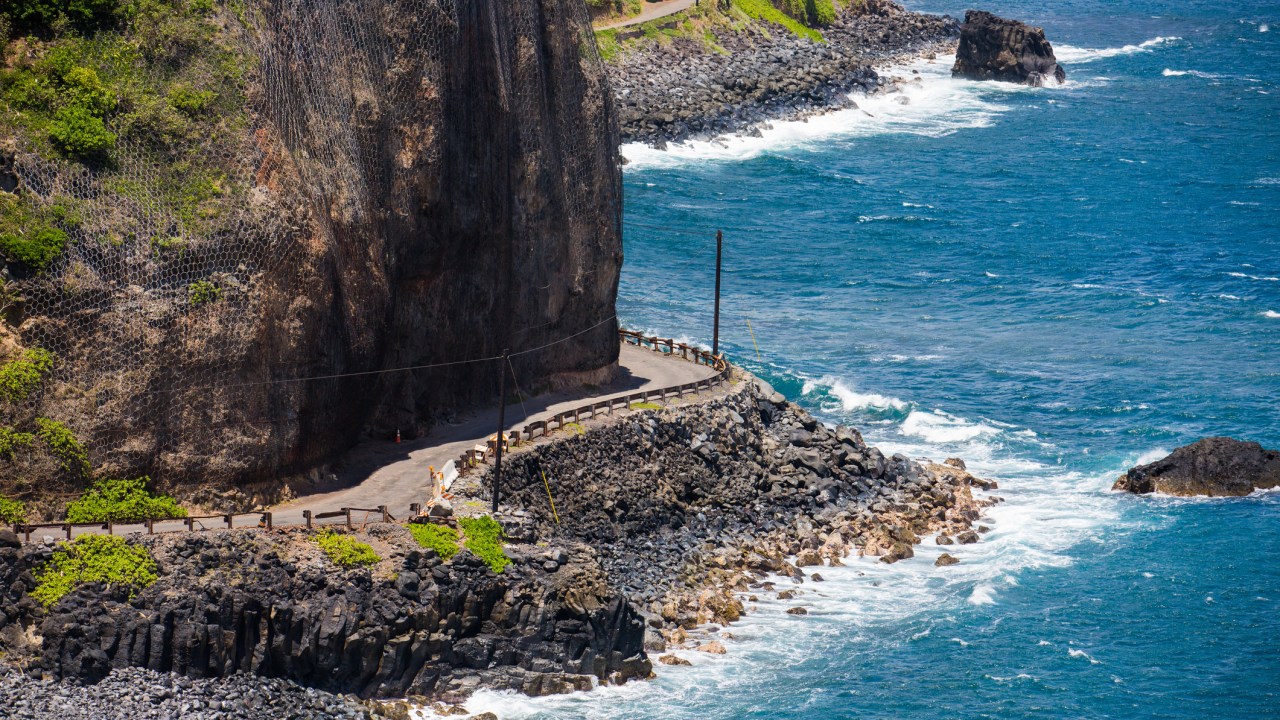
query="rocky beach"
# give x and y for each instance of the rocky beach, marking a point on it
(684, 90)
(671, 523)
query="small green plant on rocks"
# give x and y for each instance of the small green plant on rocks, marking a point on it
(441, 538)
(12, 511)
(201, 292)
(346, 551)
(122, 501)
(484, 540)
(94, 558)
(645, 406)
(64, 446)
(19, 378)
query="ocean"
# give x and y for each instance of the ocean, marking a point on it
(1051, 283)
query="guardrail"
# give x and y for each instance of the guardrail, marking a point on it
(667, 346)
(532, 430)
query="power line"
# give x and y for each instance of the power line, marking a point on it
(408, 368)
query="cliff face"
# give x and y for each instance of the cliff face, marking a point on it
(414, 182)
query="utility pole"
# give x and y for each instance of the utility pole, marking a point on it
(502, 428)
(715, 335)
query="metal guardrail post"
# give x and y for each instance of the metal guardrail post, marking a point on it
(306, 515)
(151, 527)
(191, 525)
(348, 512)
(386, 516)
(266, 518)
(68, 529)
(111, 527)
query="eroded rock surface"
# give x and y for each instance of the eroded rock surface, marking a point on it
(994, 48)
(1216, 466)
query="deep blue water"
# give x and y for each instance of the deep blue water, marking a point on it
(1050, 283)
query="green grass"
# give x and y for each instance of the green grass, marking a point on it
(122, 501)
(645, 406)
(345, 551)
(201, 292)
(12, 511)
(94, 558)
(441, 538)
(765, 11)
(484, 540)
(574, 428)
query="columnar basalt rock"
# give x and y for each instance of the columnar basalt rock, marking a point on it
(993, 48)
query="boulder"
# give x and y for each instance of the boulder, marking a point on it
(8, 539)
(673, 660)
(714, 647)
(1215, 467)
(797, 611)
(946, 559)
(993, 48)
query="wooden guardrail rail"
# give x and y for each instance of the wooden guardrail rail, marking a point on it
(539, 428)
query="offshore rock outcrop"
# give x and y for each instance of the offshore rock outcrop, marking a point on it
(993, 48)
(270, 604)
(1216, 467)
(425, 181)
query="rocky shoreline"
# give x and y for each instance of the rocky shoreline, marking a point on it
(683, 90)
(671, 522)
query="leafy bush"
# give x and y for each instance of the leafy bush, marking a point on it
(12, 511)
(37, 250)
(189, 101)
(203, 291)
(346, 551)
(77, 131)
(484, 540)
(64, 446)
(11, 441)
(764, 10)
(19, 378)
(441, 538)
(94, 558)
(40, 15)
(122, 501)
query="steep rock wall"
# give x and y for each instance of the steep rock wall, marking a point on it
(424, 181)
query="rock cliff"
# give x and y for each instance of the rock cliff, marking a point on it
(393, 184)
(993, 48)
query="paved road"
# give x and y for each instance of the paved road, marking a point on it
(395, 474)
(651, 11)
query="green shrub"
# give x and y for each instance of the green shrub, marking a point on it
(83, 87)
(189, 101)
(346, 551)
(77, 131)
(645, 406)
(11, 441)
(94, 558)
(122, 501)
(64, 446)
(39, 16)
(441, 538)
(12, 512)
(203, 291)
(484, 540)
(36, 250)
(764, 10)
(19, 378)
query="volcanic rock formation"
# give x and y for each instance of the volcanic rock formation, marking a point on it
(993, 48)
(1216, 466)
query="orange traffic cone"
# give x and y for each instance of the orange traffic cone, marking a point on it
(397, 434)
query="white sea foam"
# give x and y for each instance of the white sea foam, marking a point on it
(983, 595)
(936, 106)
(1271, 314)
(1070, 55)
(1084, 655)
(1254, 277)
(1264, 28)
(940, 428)
(851, 400)
(1193, 73)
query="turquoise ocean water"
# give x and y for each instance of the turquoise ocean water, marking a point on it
(1051, 283)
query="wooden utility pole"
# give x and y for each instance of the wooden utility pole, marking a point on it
(502, 428)
(715, 334)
